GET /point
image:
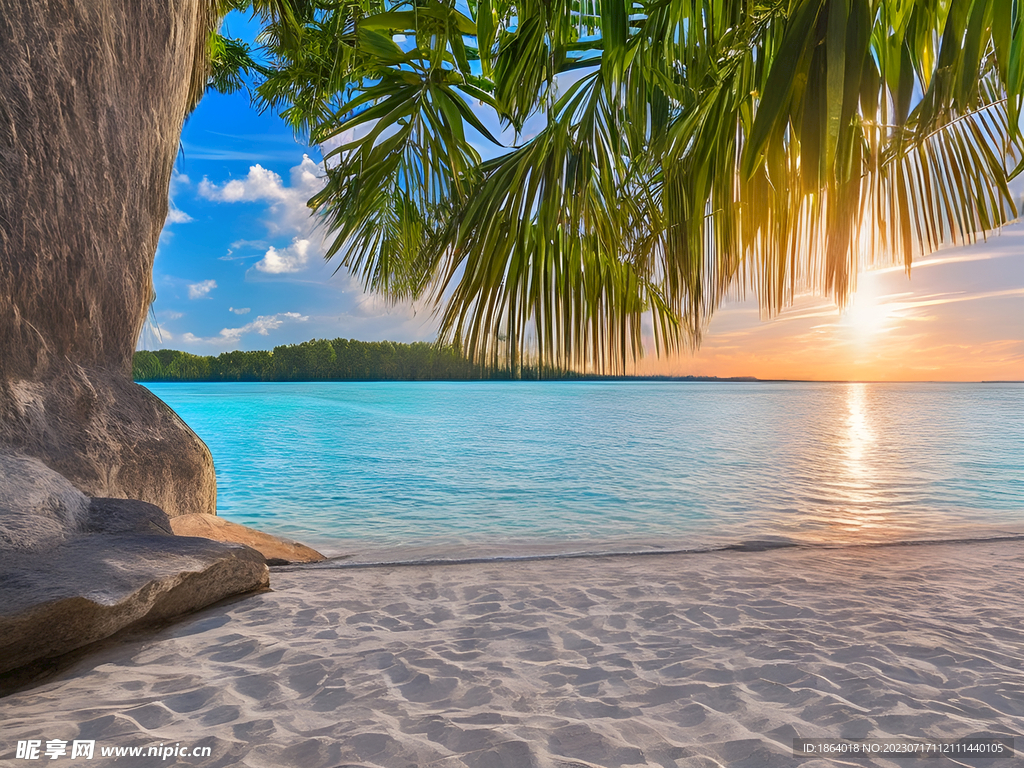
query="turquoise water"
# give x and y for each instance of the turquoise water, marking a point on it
(495, 468)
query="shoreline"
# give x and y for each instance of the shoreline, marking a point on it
(352, 561)
(721, 658)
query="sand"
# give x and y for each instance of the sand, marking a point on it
(717, 659)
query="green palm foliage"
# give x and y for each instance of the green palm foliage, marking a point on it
(657, 154)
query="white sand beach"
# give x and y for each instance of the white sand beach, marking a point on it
(716, 659)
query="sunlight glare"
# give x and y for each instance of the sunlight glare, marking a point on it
(859, 434)
(866, 315)
(858, 513)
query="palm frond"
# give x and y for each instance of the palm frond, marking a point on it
(701, 147)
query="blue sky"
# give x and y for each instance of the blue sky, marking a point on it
(240, 266)
(240, 261)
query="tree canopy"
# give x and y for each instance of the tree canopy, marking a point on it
(657, 153)
(315, 360)
(323, 360)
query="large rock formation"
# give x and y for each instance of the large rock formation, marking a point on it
(92, 99)
(93, 94)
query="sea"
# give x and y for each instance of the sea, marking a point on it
(372, 472)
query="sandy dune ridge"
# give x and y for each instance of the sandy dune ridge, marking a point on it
(715, 659)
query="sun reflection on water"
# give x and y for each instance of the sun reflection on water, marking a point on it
(854, 512)
(859, 435)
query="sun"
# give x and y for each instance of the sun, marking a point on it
(866, 315)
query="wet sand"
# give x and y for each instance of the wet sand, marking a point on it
(715, 659)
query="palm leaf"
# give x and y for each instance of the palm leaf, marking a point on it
(710, 147)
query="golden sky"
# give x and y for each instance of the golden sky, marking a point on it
(958, 316)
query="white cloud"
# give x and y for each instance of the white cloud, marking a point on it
(199, 152)
(201, 290)
(178, 180)
(242, 311)
(259, 184)
(176, 216)
(247, 244)
(345, 137)
(170, 314)
(291, 259)
(262, 325)
(287, 210)
(375, 305)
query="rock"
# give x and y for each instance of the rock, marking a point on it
(87, 148)
(277, 550)
(108, 436)
(75, 570)
(90, 587)
(38, 507)
(126, 516)
(93, 99)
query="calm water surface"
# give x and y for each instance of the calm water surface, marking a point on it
(496, 468)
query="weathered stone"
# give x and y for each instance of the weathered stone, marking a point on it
(93, 99)
(74, 571)
(93, 96)
(109, 437)
(88, 588)
(38, 507)
(275, 549)
(126, 516)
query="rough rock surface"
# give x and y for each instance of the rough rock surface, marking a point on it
(38, 507)
(121, 566)
(93, 99)
(275, 549)
(109, 437)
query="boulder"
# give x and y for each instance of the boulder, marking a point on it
(126, 516)
(38, 507)
(74, 570)
(93, 98)
(108, 436)
(277, 550)
(88, 588)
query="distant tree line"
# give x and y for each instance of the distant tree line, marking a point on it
(316, 360)
(350, 360)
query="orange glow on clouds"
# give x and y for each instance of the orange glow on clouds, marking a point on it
(959, 316)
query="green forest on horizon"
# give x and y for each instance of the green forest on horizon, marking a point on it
(341, 360)
(314, 360)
